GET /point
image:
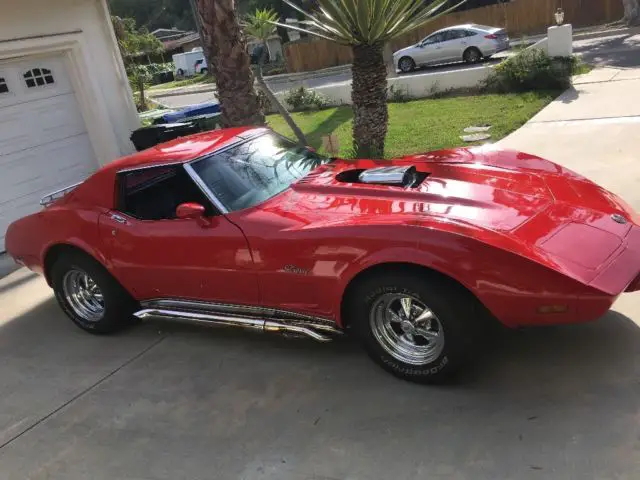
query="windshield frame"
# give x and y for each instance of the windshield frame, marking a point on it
(240, 140)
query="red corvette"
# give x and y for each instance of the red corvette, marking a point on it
(240, 227)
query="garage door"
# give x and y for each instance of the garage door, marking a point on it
(44, 144)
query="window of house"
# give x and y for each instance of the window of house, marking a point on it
(4, 88)
(155, 193)
(38, 77)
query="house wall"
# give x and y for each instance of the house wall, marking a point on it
(81, 29)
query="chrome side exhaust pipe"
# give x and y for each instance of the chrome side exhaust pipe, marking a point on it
(256, 324)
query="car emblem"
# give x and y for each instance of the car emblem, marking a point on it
(616, 217)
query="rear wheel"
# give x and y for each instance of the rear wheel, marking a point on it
(89, 295)
(472, 55)
(414, 327)
(406, 64)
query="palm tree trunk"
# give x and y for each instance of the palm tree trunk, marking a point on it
(229, 63)
(369, 98)
(631, 12)
(274, 100)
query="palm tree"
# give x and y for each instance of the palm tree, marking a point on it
(229, 63)
(260, 26)
(366, 25)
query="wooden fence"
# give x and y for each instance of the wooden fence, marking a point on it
(519, 17)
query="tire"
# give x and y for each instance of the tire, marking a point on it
(180, 72)
(204, 71)
(100, 304)
(406, 64)
(472, 55)
(441, 356)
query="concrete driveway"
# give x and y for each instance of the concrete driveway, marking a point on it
(166, 401)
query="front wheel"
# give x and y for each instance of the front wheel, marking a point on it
(90, 296)
(411, 326)
(406, 64)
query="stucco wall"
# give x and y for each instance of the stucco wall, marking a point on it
(34, 18)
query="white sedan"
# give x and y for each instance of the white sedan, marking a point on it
(469, 43)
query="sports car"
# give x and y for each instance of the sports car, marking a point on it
(241, 227)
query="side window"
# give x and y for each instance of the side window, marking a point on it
(453, 35)
(38, 77)
(155, 193)
(4, 88)
(470, 33)
(435, 38)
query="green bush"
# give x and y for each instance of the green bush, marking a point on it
(532, 69)
(305, 99)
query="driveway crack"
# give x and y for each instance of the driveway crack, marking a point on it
(83, 392)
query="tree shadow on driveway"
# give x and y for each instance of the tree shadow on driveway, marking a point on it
(535, 403)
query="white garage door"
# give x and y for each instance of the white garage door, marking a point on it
(44, 144)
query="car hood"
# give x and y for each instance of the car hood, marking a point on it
(460, 185)
(493, 189)
(404, 50)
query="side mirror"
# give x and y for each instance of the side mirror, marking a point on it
(190, 210)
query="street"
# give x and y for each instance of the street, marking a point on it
(166, 401)
(615, 50)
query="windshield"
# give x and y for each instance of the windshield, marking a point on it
(256, 170)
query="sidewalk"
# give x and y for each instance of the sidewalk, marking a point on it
(593, 129)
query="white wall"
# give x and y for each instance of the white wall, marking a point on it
(105, 80)
(414, 86)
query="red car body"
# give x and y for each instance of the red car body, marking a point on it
(536, 244)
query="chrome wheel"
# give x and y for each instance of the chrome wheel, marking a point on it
(406, 329)
(83, 295)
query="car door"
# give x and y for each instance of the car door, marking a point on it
(157, 255)
(429, 50)
(453, 45)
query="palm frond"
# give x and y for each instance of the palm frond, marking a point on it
(357, 22)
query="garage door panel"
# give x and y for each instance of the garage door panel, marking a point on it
(44, 167)
(24, 126)
(44, 145)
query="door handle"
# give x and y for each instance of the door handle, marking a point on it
(118, 218)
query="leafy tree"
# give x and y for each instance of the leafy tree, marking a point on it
(366, 25)
(156, 13)
(228, 59)
(134, 42)
(260, 26)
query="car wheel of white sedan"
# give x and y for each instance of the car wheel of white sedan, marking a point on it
(414, 326)
(472, 55)
(406, 64)
(89, 295)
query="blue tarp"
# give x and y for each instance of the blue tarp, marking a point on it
(191, 111)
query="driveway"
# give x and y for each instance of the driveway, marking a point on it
(166, 401)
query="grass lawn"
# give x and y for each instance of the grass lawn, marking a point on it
(424, 125)
(195, 80)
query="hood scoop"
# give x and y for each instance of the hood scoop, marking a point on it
(402, 176)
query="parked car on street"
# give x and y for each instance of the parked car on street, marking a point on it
(242, 227)
(469, 43)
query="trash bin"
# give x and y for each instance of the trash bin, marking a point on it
(204, 123)
(163, 77)
(147, 137)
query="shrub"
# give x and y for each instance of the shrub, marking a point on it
(397, 95)
(305, 99)
(532, 69)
